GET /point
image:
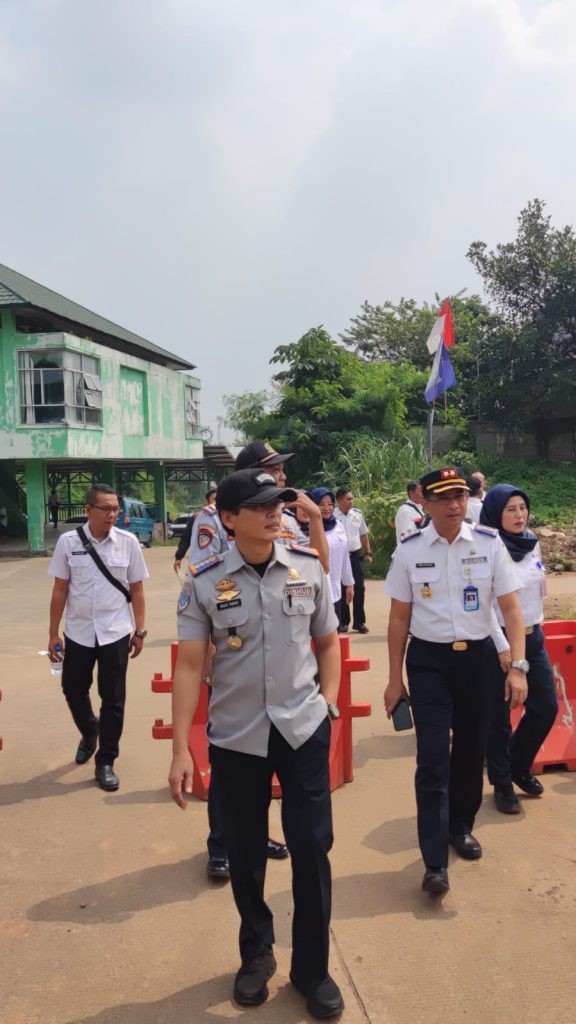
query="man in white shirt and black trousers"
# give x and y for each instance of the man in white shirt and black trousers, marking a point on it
(442, 581)
(99, 628)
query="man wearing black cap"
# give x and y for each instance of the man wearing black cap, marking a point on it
(260, 453)
(442, 581)
(272, 700)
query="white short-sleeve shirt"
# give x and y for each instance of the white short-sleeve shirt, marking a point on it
(354, 525)
(95, 610)
(451, 587)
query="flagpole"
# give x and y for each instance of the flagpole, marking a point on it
(430, 432)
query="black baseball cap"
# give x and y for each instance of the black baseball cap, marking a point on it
(260, 453)
(250, 487)
(445, 479)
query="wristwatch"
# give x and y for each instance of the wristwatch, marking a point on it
(523, 665)
(333, 710)
(142, 633)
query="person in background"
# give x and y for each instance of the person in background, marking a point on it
(340, 573)
(359, 550)
(483, 483)
(510, 755)
(410, 514)
(186, 538)
(442, 582)
(53, 506)
(99, 628)
(474, 502)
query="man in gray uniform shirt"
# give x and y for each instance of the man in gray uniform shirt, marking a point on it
(272, 700)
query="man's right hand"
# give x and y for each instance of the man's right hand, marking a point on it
(180, 778)
(393, 694)
(177, 564)
(516, 687)
(53, 642)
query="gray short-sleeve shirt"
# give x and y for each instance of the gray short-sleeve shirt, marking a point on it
(264, 670)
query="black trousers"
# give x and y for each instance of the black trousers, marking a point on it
(449, 690)
(511, 754)
(358, 616)
(243, 785)
(77, 669)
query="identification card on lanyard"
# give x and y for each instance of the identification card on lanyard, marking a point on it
(471, 599)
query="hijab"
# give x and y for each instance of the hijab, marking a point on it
(317, 494)
(495, 501)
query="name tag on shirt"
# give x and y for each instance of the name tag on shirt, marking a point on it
(474, 561)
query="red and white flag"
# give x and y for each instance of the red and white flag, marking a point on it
(442, 330)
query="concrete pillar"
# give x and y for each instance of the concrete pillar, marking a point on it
(159, 477)
(108, 473)
(35, 501)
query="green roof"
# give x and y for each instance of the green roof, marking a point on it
(16, 290)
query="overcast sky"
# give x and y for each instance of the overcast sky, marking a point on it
(220, 175)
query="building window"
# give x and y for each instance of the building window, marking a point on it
(60, 386)
(192, 411)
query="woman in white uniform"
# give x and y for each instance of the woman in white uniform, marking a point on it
(510, 756)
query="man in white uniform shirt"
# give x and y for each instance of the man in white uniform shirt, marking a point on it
(442, 581)
(359, 550)
(99, 627)
(410, 514)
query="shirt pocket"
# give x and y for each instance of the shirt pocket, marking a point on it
(230, 622)
(80, 566)
(297, 612)
(425, 574)
(118, 567)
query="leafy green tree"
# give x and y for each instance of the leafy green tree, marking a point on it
(244, 411)
(528, 359)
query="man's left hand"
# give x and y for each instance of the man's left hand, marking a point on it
(136, 645)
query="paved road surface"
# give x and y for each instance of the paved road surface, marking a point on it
(106, 916)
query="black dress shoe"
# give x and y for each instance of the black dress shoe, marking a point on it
(505, 799)
(276, 851)
(86, 748)
(106, 777)
(529, 784)
(218, 867)
(436, 881)
(466, 846)
(360, 629)
(323, 998)
(250, 988)
(342, 629)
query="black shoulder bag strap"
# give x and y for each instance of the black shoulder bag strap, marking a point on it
(90, 550)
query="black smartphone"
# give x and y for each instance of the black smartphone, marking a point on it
(402, 716)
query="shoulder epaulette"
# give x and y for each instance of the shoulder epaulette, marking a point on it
(410, 536)
(299, 549)
(210, 510)
(488, 530)
(207, 563)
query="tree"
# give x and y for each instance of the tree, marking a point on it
(528, 361)
(244, 411)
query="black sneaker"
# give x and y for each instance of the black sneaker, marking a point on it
(323, 998)
(250, 988)
(505, 799)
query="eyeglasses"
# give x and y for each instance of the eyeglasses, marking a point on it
(108, 509)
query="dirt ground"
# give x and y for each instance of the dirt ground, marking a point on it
(106, 915)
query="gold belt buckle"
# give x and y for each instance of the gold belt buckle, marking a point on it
(459, 645)
(529, 630)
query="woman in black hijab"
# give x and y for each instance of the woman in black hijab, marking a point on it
(510, 756)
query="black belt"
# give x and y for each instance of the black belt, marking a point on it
(455, 645)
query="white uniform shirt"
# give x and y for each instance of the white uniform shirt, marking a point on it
(406, 518)
(272, 676)
(532, 592)
(95, 610)
(474, 509)
(354, 526)
(340, 570)
(451, 586)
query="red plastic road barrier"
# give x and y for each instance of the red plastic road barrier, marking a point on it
(341, 756)
(559, 747)
(0, 736)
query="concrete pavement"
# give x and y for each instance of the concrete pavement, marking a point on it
(107, 917)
